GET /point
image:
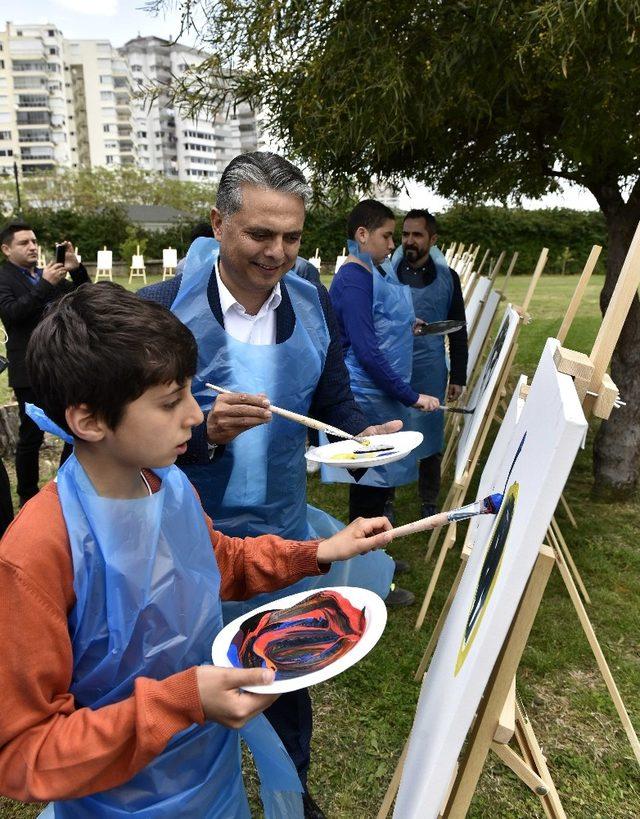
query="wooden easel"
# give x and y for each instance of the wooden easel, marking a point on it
(510, 270)
(598, 395)
(459, 489)
(567, 321)
(496, 268)
(572, 580)
(496, 721)
(454, 423)
(137, 269)
(169, 263)
(104, 265)
(484, 259)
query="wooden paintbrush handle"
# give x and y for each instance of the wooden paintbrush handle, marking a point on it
(422, 525)
(300, 419)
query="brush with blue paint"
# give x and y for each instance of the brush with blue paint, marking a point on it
(487, 506)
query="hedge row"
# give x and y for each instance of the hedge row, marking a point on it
(568, 234)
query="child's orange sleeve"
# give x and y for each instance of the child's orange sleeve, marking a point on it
(49, 749)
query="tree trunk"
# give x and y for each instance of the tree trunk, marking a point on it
(616, 451)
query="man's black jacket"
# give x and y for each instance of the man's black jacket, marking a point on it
(22, 305)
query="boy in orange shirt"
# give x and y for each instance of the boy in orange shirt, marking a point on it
(111, 580)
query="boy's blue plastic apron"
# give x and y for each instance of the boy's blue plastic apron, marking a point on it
(147, 604)
(430, 370)
(393, 320)
(258, 486)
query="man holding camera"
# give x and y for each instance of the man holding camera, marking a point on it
(25, 291)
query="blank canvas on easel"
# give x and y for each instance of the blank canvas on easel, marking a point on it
(532, 474)
(483, 325)
(498, 452)
(483, 390)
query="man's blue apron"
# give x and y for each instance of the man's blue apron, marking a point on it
(147, 604)
(258, 486)
(430, 371)
(393, 320)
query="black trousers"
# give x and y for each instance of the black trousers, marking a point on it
(6, 504)
(367, 501)
(429, 478)
(30, 438)
(292, 719)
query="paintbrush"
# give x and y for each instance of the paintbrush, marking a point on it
(313, 424)
(460, 410)
(488, 506)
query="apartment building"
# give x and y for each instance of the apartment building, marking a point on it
(100, 91)
(168, 140)
(36, 124)
(79, 103)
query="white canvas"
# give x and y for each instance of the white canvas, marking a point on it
(340, 260)
(499, 451)
(554, 424)
(169, 257)
(105, 259)
(137, 261)
(482, 328)
(316, 261)
(484, 388)
(468, 285)
(476, 301)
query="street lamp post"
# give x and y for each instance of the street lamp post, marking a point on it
(15, 174)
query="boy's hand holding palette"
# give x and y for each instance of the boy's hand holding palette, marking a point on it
(306, 638)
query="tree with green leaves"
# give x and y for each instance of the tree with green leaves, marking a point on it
(94, 188)
(494, 100)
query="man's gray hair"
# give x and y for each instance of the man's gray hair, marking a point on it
(263, 170)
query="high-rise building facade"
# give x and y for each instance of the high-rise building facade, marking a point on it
(35, 121)
(81, 103)
(168, 140)
(101, 95)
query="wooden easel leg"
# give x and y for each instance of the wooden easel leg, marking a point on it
(504, 671)
(439, 624)
(532, 753)
(569, 559)
(447, 543)
(452, 494)
(568, 512)
(451, 442)
(392, 790)
(598, 654)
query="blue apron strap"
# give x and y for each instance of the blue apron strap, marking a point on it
(45, 423)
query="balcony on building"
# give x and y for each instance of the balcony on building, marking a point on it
(39, 67)
(27, 47)
(30, 102)
(37, 153)
(41, 137)
(41, 119)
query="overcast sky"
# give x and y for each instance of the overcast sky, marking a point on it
(119, 21)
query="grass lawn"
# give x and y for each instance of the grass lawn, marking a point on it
(363, 717)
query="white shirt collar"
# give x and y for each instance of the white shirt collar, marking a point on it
(229, 302)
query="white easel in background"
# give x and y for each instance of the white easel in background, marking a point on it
(169, 263)
(137, 269)
(316, 261)
(340, 260)
(104, 265)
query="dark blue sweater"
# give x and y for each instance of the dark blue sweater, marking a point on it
(332, 402)
(351, 295)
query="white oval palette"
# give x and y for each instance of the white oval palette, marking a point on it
(402, 442)
(375, 614)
